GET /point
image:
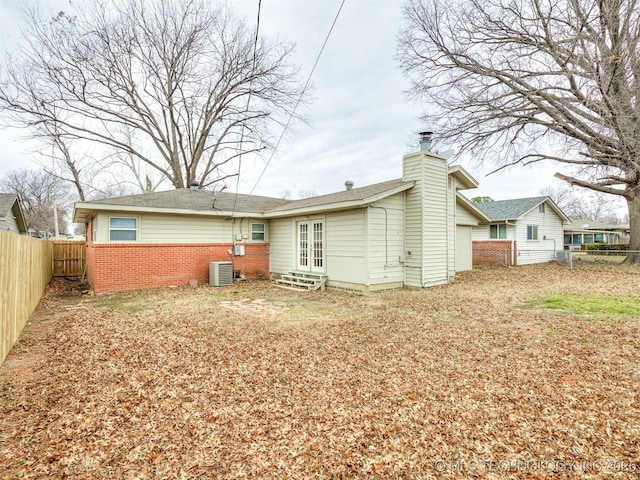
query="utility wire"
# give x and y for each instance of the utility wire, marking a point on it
(306, 85)
(253, 69)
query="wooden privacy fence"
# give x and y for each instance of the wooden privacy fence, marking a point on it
(69, 258)
(25, 269)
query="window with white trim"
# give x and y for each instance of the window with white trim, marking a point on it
(94, 229)
(541, 208)
(257, 232)
(532, 232)
(498, 231)
(123, 229)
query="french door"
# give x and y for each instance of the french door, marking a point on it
(310, 252)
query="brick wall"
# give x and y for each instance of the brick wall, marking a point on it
(126, 266)
(494, 252)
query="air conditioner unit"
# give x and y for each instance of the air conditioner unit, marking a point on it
(220, 274)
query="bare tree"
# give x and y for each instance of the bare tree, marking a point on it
(39, 194)
(196, 86)
(535, 80)
(596, 206)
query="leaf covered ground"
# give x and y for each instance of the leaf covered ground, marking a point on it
(469, 380)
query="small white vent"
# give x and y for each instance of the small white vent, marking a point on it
(220, 274)
(239, 250)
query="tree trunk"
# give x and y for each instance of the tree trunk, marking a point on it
(633, 201)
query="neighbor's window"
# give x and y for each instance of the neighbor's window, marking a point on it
(123, 229)
(598, 237)
(577, 238)
(532, 232)
(257, 232)
(541, 208)
(588, 238)
(498, 231)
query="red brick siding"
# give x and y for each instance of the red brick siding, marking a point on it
(126, 266)
(494, 252)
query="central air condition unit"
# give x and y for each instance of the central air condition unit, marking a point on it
(220, 274)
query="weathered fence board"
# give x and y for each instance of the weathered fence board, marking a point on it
(25, 270)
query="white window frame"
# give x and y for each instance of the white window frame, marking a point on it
(263, 232)
(94, 229)
(532, 233)
(498, 226)
(124, 229)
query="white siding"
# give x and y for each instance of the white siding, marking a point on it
(386, 240)
(282, 247)
(464, 216)
(159, 228)
(427, 220)
(541, 250)
(346, 247)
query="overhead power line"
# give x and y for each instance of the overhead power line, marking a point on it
(293, 111)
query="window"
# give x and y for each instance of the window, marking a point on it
(541, 208)
(588, 238)
(577, 239)
(257, 232)
(567, 239)
(532, 232)
(123, 229)
(498, 231)
(598, 237)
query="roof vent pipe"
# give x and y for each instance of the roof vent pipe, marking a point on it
(193, 185)
(425, 141)
(349, 185)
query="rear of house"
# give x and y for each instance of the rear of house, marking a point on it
(414, 231)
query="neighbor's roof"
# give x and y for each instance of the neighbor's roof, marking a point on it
(9, 203)
(584, 224)
(502, 210)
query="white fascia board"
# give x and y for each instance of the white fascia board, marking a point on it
(471, 206)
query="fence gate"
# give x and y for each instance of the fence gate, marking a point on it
(69, 258)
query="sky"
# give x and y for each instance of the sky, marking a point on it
(360, 121)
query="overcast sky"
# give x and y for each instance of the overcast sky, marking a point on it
(360, 120)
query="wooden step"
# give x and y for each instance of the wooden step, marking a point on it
(295, 280)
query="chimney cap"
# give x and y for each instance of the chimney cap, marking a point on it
(425, 140)
(194, 184)
(348, 184)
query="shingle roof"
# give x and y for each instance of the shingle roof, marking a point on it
(509, 209)
(352, 195)
(199, 200)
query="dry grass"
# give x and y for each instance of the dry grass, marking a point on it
(256, 382)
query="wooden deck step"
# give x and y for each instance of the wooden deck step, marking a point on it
(302, 281)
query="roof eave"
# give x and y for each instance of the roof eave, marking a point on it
(88, 210)
(464, 177)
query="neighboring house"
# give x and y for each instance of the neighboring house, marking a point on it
(519, 231)
(413, 231)
(582, 230)
(11, 216)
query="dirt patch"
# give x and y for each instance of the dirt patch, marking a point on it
(252, 381)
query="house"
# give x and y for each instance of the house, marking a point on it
(583, 230)
(519, 232)
(11, 216)
(413, 231)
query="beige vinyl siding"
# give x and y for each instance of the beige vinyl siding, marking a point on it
(413, 220)
(451, 227)
(541, 250)
(160, 228)
(464, 216)
(427, 220)
(282, 233)
(346, 247)
(464, 257)
(386, 240)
